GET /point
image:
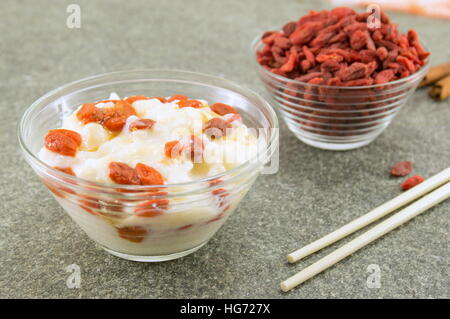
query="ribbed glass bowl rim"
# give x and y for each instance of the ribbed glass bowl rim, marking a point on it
(82, 183)
(256, 43)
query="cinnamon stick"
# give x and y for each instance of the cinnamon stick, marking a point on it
(435, 74)
(441, 89)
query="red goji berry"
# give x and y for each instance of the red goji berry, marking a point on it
(134, 234)
(218, 217)
(411, 182)
(185, 227)
(295, 52)
(135, 98)
(194, 149)
(112, 118)
(173, 149)
(121, 173)
(62, 141)
(178, 97)
(190, 103)
(216, 128)
(132, 99)
(223, 109)
(67, 170)
(152, 208)
(141, 124)
(401, 168)
(148, 175)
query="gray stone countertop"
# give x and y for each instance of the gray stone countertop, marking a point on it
(313, 193)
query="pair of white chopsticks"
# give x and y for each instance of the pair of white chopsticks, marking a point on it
(438, 185)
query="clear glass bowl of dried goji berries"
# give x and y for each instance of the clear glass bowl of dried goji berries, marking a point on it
(338, 82)
(156, 222)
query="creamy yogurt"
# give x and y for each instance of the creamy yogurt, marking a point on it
(183, 223)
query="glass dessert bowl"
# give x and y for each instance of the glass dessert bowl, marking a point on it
(337, 79)
(144, 222)
(337, 118)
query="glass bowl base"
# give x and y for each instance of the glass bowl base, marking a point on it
(334, 146)
(154, 258)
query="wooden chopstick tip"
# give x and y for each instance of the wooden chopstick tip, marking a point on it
(291, 259)
(284, 287)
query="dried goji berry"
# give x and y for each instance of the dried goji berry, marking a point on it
(354, 71)
(323, 37)
(354, 27)
(384, 76)
(309, 76)
(216, 128)
(369, 42)
(402, 168)
(290, 63)
(97, 206)
(178, 97)
(173, 149)
(194, 149)
(288, 28)
(326, 57)
(190, 103)
(358, 82)
(160, 98)
(221, 195)
(71, 134)
(316, 81)
(223, 109)
(67, 170)
(269, 37)
(411, 182)
(295, 52)
(282, 42)
(135, 98)
(148, 175)
(62, 141)
(121, 173)
(122, 108)
(132, 99)
(407, 63)
(342, 12)
(215, 182)
(309, 55)
(115, 123)
(141, 124)
(87, 209)
(338, 38)
(382, 53)
(134, 234)
(305, 33)
(221, 192)
(185, 227)
(305, 65)
(106, 101)
(152, 208)
(89, 113)
(116, 116)
(89, 205)
(112, 118)
(234, 117)
(218, 217)
(330, 65)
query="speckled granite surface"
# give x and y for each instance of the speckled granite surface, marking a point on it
(314, 192)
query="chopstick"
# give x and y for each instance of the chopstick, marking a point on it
(379, 212)
(418, 207)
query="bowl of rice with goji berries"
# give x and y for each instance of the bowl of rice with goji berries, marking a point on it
(338, 79)
(149, 163)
